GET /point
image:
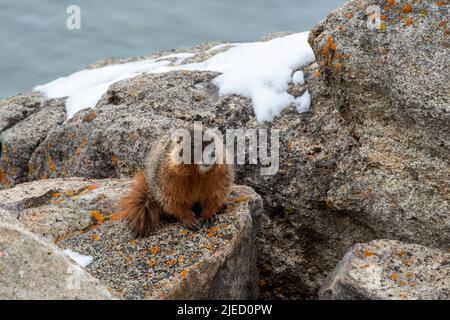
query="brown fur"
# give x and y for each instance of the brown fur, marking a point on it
(174, 189)
(142, 212)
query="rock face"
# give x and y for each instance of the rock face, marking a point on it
(78, 214)
(386, 269)
(25, 121)
(368, 161)
(33, 268)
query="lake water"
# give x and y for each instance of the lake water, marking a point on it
(37, 47)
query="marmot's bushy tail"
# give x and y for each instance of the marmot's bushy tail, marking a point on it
(139, 209)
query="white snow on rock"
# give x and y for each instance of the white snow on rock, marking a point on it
(303, 103)
(298, 77)
(260, 71)
(80, 259)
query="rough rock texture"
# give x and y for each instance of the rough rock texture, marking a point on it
(216, 262)
(386, 269)
(33, 268)
(25, 121)
(369, 161)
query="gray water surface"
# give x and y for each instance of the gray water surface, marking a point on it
(36, 46)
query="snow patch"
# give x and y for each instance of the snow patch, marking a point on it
(260, 71)
(304, 102)
(81, 260)
(298, 77)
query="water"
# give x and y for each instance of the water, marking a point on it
(36, 46)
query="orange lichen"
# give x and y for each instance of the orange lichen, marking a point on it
(331, 44)
(401, 283)
(407, 8)
(367, 253)
(80, 147)
(239, 198)
(349, 16)
(409, 275)
(440, 3)
(365, 266)
(338, 67)
(181, 259)
(51, 164)
(383, 17)
(89, 117)
(183, 274)
(442, 24)
(171, 262)
(132, 242)
(91, 187)
(114, 160)
(69, 193)
(184, 232)
(99, 218)
(408, 262)
(394, 276)
(95, 237)
(408, 21)
(56, 195)
(317, 74)
(219, 235)
(210, 234)
(391, 2)
(155, 250)
(151, 262)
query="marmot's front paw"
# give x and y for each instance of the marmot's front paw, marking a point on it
(191, 222)
(209, 219)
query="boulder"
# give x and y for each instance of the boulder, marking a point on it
(80, 215)
(390, 270)
(33, 268)
(25, 121)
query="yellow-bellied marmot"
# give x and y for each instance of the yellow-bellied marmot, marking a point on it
(166, 186)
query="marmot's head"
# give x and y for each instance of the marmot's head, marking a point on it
(192, 151)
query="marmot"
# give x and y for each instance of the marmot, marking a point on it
(167, 187)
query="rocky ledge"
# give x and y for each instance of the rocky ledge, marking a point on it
(80, 215)
(387, 269)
